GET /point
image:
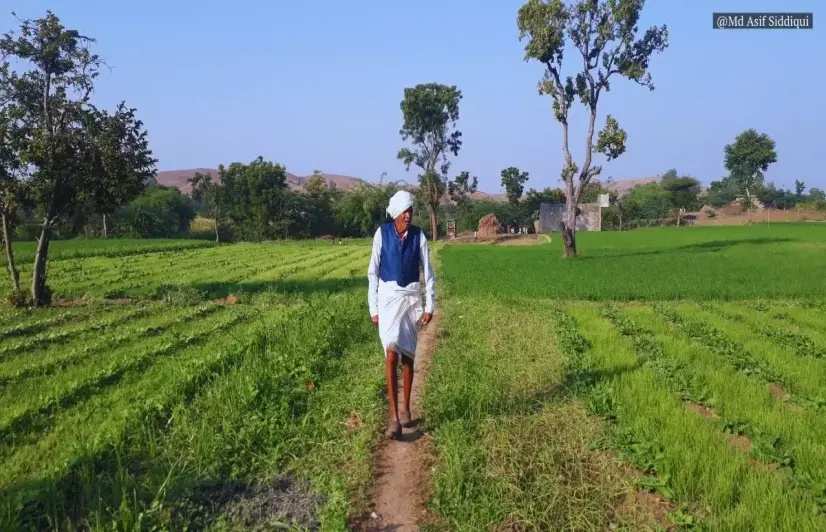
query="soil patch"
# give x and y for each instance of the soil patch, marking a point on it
(777, 392)
(653, 504)
(229, 300)
(284, 502)
(400, 489)
(704, 411)
(740, 442)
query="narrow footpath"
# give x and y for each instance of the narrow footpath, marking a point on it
(402, 470)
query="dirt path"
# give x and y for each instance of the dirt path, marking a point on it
(401, 465)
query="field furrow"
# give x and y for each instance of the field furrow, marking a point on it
(805, 342)
(802, 377)
(34, 412)
(114, 318)
(792, 439)
(49, 361)
(704, 470)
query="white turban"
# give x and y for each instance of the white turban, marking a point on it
(400, 202)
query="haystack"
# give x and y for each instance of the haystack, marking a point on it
(489, 226)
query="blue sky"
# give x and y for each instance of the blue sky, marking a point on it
(317, 85)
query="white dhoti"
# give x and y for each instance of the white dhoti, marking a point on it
(399, 311)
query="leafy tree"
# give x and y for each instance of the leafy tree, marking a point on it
(746, 159)
(360, 211)
(461, 188)
(77, 152)
(647, 202)
(209, 195)
(604, 33)
(682, 192)
(722, 192)
(513, 181)
(430, 114)
(460, 191)
(255, 206)
(817, 195)
(799, 188)
(159, 212)
(321, 197)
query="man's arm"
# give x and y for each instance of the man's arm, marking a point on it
(373, 275)
(429, 277)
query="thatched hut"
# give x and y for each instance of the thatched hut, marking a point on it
(489, 227)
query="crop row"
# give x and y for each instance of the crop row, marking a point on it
(233, 407)
(692, 459)
(147, 279)
(33, 413)
(62, 334)
(39, 324)
(747, 413)
(51, 361)
(73, 249)
(644, 455)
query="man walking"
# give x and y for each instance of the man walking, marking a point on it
(394, 298)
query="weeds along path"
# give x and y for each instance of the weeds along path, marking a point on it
(398, 498)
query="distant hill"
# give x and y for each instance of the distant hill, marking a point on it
(178, 179)
(623, 186)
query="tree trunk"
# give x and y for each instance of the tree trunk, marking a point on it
(105, 233)
(434, 224)
(40, 295)
(568, 230)
(216, 230)
(15, 275)
(748, 198)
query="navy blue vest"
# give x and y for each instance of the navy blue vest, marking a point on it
(399, 260)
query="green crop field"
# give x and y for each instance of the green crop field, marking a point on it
(667, 377)
(169, 408)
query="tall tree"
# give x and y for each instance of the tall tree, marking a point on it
(208, 194)
(604, 33)
(513, 181)
(746, 159)
(78, 153)
(430, 113)
(799, 188)
(11, 170)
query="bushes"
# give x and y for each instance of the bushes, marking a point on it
(161, 212)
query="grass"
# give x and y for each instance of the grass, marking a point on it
(173, 411)
(73, 249)
(703, 263)
(668, 377)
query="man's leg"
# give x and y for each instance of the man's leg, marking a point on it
(407, 375)
(391, 365)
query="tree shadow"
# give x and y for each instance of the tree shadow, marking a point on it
(507, 404)
(74, 496)
(710, 246)
(220, 290)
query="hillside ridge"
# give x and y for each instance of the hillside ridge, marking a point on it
(178, 179)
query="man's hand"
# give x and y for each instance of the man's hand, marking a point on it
(426, 318)
(375, 320)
